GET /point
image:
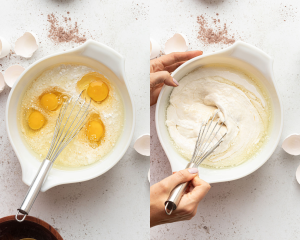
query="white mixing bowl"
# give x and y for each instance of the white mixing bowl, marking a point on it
(102, 59)
(250, 59)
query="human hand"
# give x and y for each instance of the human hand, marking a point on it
(160, 69)
(187, 207)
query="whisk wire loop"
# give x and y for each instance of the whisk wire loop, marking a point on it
(75, 130)
(210, 151)
(59, 139)
(57, 126)
(198, 139)
(71, 125)
(210, 122)
(203, 143)
(210, 140)
(67, 128)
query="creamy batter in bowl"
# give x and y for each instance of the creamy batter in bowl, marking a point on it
(245, 111)
(247, 59)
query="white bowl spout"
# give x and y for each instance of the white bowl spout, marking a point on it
(253, 56)
(104, 54)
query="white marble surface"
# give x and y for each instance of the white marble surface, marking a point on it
(265, 204)
(115, 204)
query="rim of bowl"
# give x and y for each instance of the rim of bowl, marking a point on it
(36, 221)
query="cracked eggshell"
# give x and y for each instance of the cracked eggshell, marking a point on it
(292, 144)
(26, 45)
(177, 43)
(142, 145)
(154, 48)
(2, 82)
(12, 73)
(4, 47)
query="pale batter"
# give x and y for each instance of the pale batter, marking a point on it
(242, 101)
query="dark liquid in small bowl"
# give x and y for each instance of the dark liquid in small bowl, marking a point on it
(32, 227)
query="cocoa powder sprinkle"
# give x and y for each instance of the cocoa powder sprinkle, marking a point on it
(213, 33)
(64, 31)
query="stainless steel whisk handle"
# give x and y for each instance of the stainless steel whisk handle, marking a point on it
(34, 189)
(177, 193)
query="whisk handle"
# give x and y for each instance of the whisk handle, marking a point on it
(34, 189)
(177, 193)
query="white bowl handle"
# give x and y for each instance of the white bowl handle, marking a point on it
(104, 54)
(252, 55)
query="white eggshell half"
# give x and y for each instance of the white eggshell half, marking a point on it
(26, 45)
(149, 175)
(4, 47)
(142, 145)
(154, 48)
(292, 144)
(2, 82)
(177, 43)
(12, 73)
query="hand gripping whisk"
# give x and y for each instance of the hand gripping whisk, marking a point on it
(208, 140)
(70, 121)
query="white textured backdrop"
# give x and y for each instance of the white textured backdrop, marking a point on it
(116, 204)
(265, 204)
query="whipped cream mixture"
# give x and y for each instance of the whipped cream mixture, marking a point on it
(243, 104)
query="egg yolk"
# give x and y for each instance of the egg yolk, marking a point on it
(49, 101)
(95, 131)
(36, 120)
(97, 91)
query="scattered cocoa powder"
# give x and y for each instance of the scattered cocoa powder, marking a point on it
(214, 32)
(64, 31)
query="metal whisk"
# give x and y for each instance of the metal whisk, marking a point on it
(206, 143)
(68, 124)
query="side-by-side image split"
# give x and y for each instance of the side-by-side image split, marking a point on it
(193, 137)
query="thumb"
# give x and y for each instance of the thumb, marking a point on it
(162, 77)
(182, 176)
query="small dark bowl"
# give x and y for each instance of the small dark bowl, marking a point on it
(32, 227)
